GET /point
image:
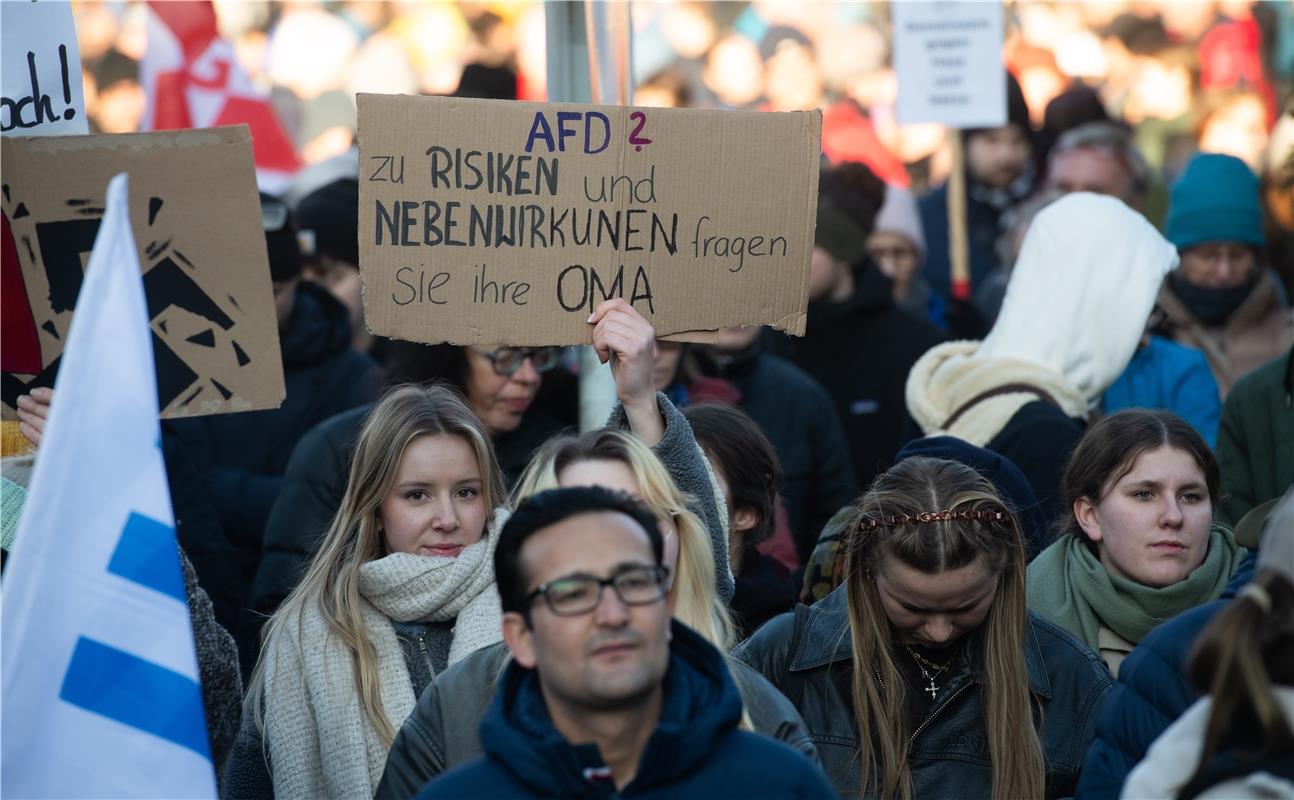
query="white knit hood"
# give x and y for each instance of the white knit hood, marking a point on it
(1074, 311)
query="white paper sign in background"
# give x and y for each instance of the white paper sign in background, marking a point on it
(40, 69)
(948, 57)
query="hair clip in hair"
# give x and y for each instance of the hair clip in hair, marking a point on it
(1259, 595)
(947, 515)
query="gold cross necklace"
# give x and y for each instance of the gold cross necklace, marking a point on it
(922, 663)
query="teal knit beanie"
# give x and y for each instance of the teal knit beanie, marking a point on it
(1215, 200)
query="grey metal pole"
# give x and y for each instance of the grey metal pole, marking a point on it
(590, 61)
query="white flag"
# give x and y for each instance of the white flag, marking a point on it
(98, 679)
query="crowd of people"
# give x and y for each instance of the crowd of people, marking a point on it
(1031, 540)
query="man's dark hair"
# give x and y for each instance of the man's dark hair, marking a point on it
(548, 508)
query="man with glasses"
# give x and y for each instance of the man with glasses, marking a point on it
(605, 693)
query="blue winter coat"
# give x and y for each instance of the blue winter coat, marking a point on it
(1151, 693)
(695, 751)
(1165, 374)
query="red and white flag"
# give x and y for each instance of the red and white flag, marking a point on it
(194, 81)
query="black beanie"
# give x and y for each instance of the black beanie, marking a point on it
(330, 217)
(1017, 111)
(280, 239)
(839, 235)
(491, 83)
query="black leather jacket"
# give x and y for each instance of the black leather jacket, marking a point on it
(806, 654)
(442, 731)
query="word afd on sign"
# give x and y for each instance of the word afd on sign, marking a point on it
(596, 127)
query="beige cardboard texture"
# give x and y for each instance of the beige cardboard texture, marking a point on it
(196, 217)
(498, 222)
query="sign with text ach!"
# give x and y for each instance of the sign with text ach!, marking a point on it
(197, 221)
(948, 58)
(40, 70)
(498, 222)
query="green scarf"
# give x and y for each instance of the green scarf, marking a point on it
(1068, 585)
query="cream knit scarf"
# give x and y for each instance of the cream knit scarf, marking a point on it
(320, 741)
(950, 374)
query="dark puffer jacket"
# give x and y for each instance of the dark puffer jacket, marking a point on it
(1151, 693)
(869, 396)
(695, 751)
(807, 655)
(436, 737)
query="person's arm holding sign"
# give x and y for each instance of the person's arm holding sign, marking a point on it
(625, 338)
(622, 336)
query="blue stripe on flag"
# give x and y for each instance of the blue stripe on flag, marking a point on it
(115, 684)
(146, 554)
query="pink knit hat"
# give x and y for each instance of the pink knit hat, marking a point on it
(899, 215)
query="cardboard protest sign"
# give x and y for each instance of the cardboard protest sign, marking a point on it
(40, 70)
(196, 216)
(948, 58)
(498, 222)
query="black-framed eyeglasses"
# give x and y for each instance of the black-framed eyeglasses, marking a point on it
(580, 594)
(507, 360)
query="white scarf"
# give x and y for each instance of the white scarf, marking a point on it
(320, 741)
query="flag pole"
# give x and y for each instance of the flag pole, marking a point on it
(590, 60)
(958, 240)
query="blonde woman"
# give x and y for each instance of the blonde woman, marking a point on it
(923, 674)
(401, 588)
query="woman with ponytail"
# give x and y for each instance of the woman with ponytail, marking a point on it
(1238, 740)
(923, 675)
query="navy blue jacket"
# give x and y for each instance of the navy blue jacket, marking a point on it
(1151, 693)
(695, 751)
(981, 230)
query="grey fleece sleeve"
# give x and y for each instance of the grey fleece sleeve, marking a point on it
(691, 471)
(222, 682)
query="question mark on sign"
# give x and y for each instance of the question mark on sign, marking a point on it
(634, 139)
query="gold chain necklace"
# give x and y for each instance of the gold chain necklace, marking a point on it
(922, 663)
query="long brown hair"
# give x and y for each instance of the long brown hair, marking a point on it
(404, 414)
(1244, 650)
(913, 486)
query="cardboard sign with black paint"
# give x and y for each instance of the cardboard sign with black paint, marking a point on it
(196, 215)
